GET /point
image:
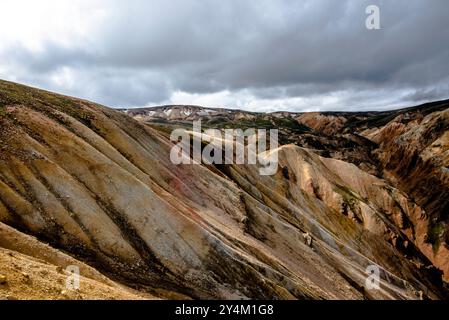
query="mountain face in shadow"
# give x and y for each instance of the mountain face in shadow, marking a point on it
(85, 184)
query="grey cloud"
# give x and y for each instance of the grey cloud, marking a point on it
(52, 57)
(428, 94)
(146, 50)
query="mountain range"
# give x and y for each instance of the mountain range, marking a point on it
(86, 185)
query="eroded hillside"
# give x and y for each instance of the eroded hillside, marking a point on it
(409, 148)
(98, 185)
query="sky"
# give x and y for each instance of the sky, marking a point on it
(310, 55)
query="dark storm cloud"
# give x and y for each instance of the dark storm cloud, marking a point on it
(144, 51)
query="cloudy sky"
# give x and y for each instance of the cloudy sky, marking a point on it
(255, 55)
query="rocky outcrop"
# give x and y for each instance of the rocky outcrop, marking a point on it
(414, 153)
(410, 150)
(327, 124)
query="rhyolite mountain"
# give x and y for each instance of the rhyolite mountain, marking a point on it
(83, 184)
